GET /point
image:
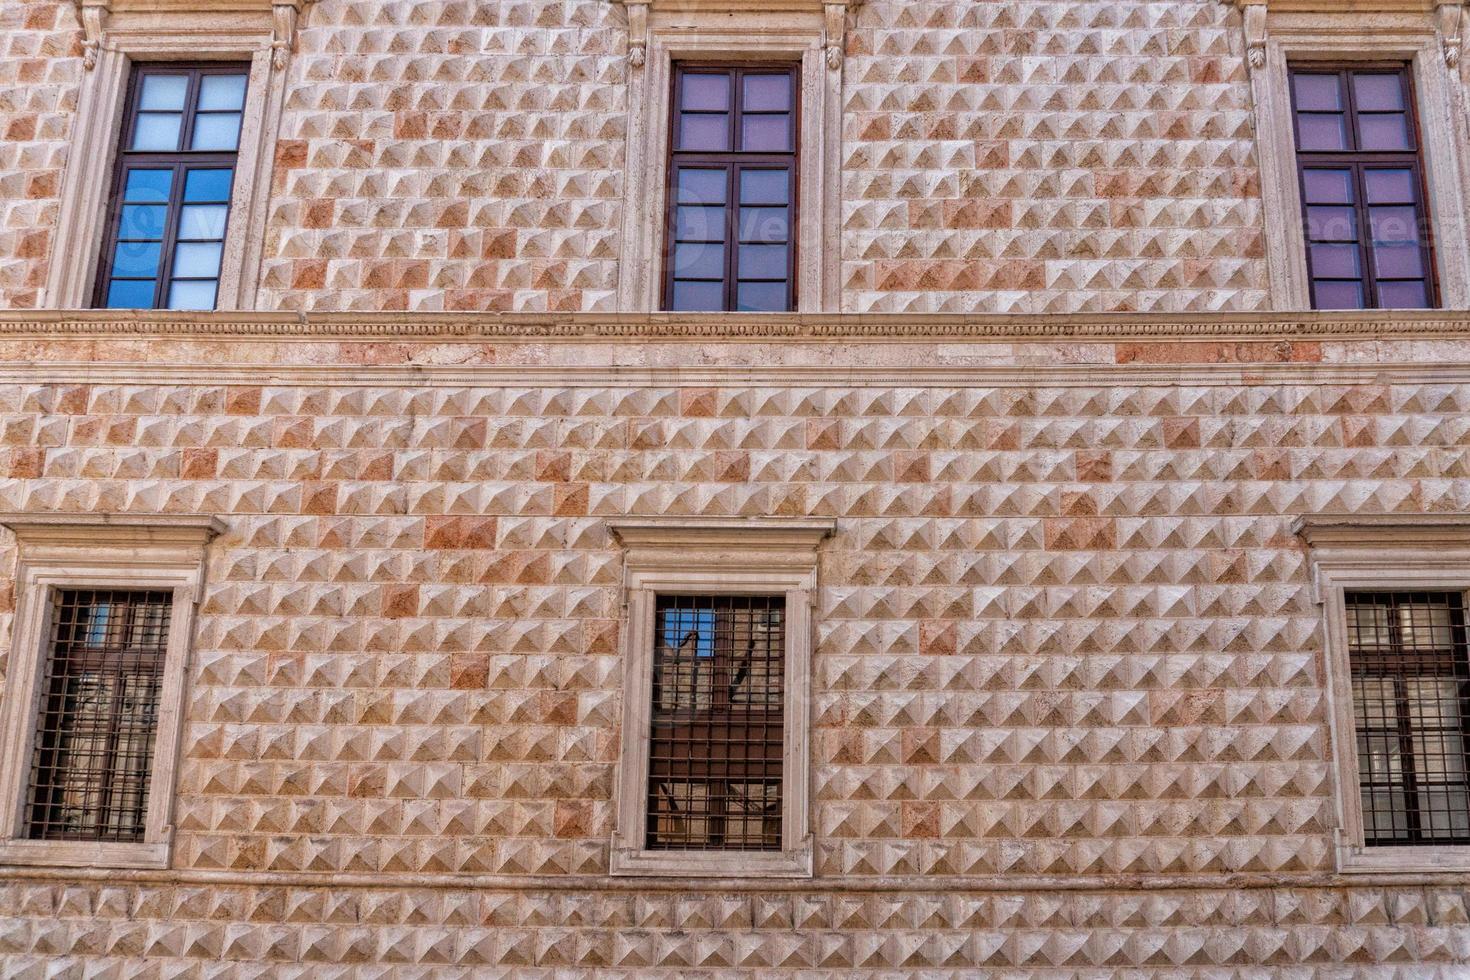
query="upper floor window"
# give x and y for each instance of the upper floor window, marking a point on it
(732, 189)
(170, 201)
(1362, 183)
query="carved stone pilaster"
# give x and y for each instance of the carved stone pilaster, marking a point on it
(1253, 27)
(835, 27)
(92, 15)
(286, 16)
(637, 31)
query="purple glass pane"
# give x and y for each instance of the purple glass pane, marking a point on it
(1394, 224)
(704, 132)
(698, 296)
(1390, 132)
(699, 224)
(766, 134)
(762, 262)
(1398, 261)
(1332, 224)
(1328, 186)
(699, 186)
(763, 225)
(764, 187)
(1316, 92)
(699, 261)
(1403, 295)
(1321, 131)
(706, 92)
(1378, 92)
(1336, 262)
(1338, 295)
(761, 297)
(767, 93)
(1390, 186)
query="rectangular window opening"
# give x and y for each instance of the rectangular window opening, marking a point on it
(1361, 174)
(717, 723)
(98, 715)
(732, 189)
(170, 201)
(1411, 701)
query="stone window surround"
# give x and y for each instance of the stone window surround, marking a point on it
(803, 31)
(57, 551)
(1377, 553)
(1284, 32)
(119, 33)
(750, 556)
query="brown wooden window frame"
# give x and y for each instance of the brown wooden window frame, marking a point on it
(733, 161)
(180, 161)
(1358, 161)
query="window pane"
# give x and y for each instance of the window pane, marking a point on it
(165, 92)
(1338, 295)
(711, 92)
(766, 134)
(699, 261)
(1315, 91)
(148, 185)
(129, 294)
(1330, 224)
(694, 186)
(1390, 186)
(203, 221)
(157, 131)
(1336, 262)
(196, 295)
(708, 133)
(143, 221)
(763, 225)
(1390, 132)
(1374, 92)
(1403, 295)
(763, 262)
(767, 93)
(208, 186)
(1385, 815)
(698, 296)
(1394, 224)
(196, 260)
(1439, 756)
(1444, 813)
(761, 297)
(1399, 261)
(764, 187)
(1328, 186)
(137, 259)
(221, 92)
(1318, 131)
(699, 224)
(217, 131)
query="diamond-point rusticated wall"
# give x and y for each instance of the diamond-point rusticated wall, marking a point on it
(1068, 706)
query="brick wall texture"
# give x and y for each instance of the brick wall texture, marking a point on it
(1024, 157)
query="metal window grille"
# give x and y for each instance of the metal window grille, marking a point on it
(714, 762)
(1411, 700)
(98, 714)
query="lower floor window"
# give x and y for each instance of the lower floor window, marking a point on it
(1411, 700)
(98, 715)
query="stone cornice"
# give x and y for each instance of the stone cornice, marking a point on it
(1260, 327)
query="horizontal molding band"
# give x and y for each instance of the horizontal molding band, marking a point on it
(819, 885)
(615, 376)
(762, 327)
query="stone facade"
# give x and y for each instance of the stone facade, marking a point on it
(1069, 706)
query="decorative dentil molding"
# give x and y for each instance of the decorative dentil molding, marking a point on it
(285, 17)
(834, 20)
(1449, 17)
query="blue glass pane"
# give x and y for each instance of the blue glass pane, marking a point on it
(763, 225)
(124, 295)
(683, 627)
(209, 185)
(767, 93)
(142, 221)
(698, 296)
(1321, 92)
(762, 262)
(163, 92)
(196, 260)
(764, 187)
(191, 295)
(699, 261)
(134, 259)
(217, 131)
(704, 132)
(148, 185)
(766, 134)
(700, 224)
(221, 92)
(699, 186)
(203, 221)
(706, 91)
(762, 297)
(157, 131)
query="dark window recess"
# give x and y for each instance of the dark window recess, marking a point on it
(170, 199)
(98, 715)
(1368, 238)
(731, 241)
(1411, 701)
(714, 759)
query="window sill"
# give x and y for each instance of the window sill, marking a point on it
(84, 854)
(632, 861)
